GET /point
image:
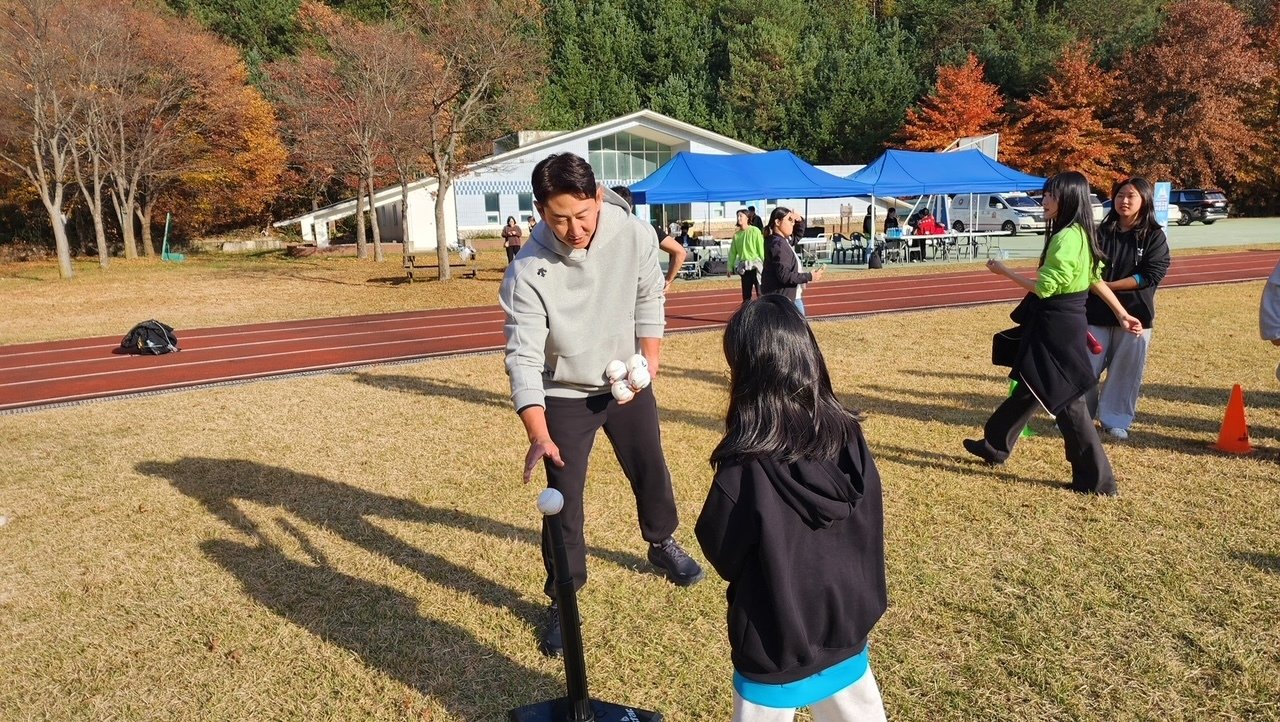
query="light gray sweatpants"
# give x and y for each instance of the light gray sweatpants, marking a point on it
(1114, 402)
(859, 702)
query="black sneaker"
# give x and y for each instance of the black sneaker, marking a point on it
(552, 642)
(681, 569)
(978, 448)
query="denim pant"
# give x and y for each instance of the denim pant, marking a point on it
(1114, 402)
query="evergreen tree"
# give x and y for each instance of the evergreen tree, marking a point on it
(264, 30)
(678, 42)
(594, 51)
(766, 69)
(859, 91)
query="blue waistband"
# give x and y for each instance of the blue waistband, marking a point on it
(803, 692)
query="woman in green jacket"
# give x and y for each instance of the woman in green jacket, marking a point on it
(746, 255)
(1052, 365)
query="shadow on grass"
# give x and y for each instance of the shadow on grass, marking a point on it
(960, 464)
(1265, 562)
(432, 388)
(382, 626)
(469, 394)
(1214, 397)
(954, 375)
(965, 409)
(391, 281)
(717, 379)
(375, 621)
(345, 510)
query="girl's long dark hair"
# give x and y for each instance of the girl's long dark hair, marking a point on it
(1147, 223)
(771, 229)
(781, 405)
(1071, 189)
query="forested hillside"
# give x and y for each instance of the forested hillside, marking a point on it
(1186, 90)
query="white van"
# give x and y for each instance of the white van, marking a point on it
(1008, 212)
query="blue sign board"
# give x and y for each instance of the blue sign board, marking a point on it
(1161, 199)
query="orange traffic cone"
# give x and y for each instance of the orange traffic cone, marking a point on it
(1234, 438)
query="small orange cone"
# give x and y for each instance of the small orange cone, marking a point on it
(1234, 438)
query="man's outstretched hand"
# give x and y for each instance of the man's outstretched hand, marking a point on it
(540, 449)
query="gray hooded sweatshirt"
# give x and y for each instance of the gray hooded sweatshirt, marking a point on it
(569, 312)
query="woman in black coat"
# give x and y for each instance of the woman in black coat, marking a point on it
(782, 272)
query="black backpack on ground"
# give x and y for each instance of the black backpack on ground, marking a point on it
(715, 267)
(150, 337)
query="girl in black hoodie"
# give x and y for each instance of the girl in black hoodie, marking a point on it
(794, 522)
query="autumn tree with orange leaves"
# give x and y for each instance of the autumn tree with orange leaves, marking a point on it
(1259, 179)
(962, 104)
(1060, 129)
(1185, 95)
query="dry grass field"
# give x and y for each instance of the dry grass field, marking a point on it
(358, 545)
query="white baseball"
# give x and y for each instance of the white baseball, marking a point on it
(615, 371)
(636, 362)
(639, 377)
(550, 502)
(622, 391)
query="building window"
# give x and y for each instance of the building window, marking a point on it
(526, 206)
(625, 158)
(491, 211)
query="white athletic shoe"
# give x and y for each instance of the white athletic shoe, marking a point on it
(1120, 434)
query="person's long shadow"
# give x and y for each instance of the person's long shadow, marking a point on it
(1265, 562)
(973, 409)
(429, 387)
(717, 379)
(955, 463)
(1216, 398)
(954, 375)
(382, 626)
(345, 510)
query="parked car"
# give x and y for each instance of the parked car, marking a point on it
(1099, 211)
(1008, 212)
(1198, 204)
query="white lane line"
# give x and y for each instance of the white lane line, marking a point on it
(201, 349)
(219, 332)
(223, 380)
(153, 369)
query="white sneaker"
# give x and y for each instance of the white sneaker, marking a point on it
(1121, 434)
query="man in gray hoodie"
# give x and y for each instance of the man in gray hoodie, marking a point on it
(586, 289)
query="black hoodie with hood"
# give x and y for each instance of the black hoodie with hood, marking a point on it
(802, 547)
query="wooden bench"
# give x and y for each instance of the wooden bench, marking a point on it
(411, 263)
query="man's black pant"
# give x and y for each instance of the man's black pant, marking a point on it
(632, 428)
(1090, 468)
(750, 280)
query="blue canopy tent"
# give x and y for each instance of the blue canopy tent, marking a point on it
(919, 173)
(708, 177)
(915, 173)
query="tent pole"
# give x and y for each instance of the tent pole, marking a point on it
(871, 242)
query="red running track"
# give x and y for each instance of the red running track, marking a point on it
(44, 374)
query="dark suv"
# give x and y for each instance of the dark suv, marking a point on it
(1199, 205)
